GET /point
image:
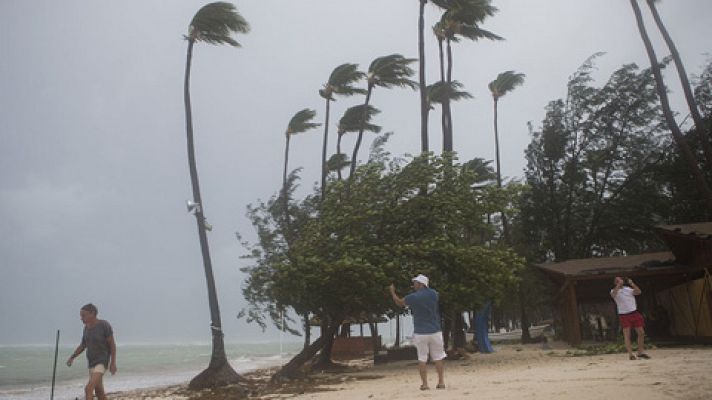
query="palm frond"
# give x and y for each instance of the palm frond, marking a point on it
(215, 23)
(337, 162)
(341, 81)
(505, 82)
(470, 12)
(351, 120)
(301, 122)
(391, 71)
(441, 91)
(474, 33)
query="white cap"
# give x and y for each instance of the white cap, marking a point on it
(422, 279)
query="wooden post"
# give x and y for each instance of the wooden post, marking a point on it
(575, 323)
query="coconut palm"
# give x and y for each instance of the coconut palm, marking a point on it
(460, 20)
(355, 119)
(387, 72)
(300, 123)
(424, 107)
(214, 24)
(442, 93)
(705, 137)
(340, 83)
(677, 134)
(505, 83)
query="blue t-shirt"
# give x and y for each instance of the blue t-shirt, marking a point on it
(423, 304)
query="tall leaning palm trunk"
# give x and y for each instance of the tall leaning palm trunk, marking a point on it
(704, 133)
(212, 24)
(300, 123)
(677, 134)
(424, 108)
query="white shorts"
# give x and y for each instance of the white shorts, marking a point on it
(97, 369)
(429, 344)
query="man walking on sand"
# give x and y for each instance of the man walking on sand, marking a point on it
(628, 314)
(98, 340)
(427, 335)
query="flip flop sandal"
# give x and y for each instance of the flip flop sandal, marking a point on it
(440, 386)
(424, 387)
(643, 355)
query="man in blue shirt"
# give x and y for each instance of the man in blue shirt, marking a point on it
(427, 334)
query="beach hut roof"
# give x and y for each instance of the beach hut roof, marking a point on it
(602, 267)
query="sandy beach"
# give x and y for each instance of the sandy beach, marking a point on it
(514, 371)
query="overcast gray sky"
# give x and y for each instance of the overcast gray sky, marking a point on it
(93, 158)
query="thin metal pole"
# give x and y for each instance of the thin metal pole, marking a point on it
(54, 370)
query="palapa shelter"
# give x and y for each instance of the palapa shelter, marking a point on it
(676, 285)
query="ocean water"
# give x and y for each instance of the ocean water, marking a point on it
(26, 371)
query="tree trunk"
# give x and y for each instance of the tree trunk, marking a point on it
(307, 331)
(345, 330)
(458, 336)
(325, 355)
(680, 139)
(443, 106)
(704, 134)
(338, 151)
(360, 133)
(448, 139)
(447, 328)
(287, 233)
(424, 107)
(219, 371)
(505, 231)
(524, 317)
(324, 170)
(293, 369)
(396, 344)
(373, 328)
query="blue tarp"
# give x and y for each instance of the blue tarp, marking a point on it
(481, 331)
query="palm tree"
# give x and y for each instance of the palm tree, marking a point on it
(705, 137)
(340, 83)
(461, 19)
(424, 107)
(213, 24)
(505, 83)
(677, 134)
(355, 119)
(300, 123)
(443, 92)
(387, 72)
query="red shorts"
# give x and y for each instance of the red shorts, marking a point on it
(632, 320)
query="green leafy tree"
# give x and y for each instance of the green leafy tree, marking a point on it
(386, 72)
(213, 24)
(340, 83)
(590, 166)
(378, 229)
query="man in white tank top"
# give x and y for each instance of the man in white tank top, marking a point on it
(628, 314)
